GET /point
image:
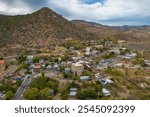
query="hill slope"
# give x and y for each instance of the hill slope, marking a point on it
(130, 33)
(44, 27)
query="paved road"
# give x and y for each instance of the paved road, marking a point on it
(22, 88)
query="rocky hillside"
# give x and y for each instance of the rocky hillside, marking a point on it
(130, 33)
(44, 27)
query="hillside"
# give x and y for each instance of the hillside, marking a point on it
(137, 37)
(130, 33)
(44, 27)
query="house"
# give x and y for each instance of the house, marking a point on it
(88, 51)
(30, 57)
(36, 68)
(73, 92)
(105, 92)
(121, 42)
(63, 63)
(84, 78)
(116, 51)
(108, 44)
(67, 70)
(130, 55)
(75, 59)
(18, 77)
(2, 65)
(2, 95)
(105, 81)
(52, 92)
(49, 67)
(77, 69)
(43, 66)
(118, 65)
(147, 62)
(56, 66)
(99, 46)
(41, 61)
(71, 48)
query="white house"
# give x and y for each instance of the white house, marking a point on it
(105, 92)
(73, 91)
(77, 68)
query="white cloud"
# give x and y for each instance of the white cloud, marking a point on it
(112, 12)
(18, 7)
(109, 10)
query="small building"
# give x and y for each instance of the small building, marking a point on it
(77, 69)
(130, 55)
(49, 67)
(41, 61)
(73, 92)
(36, 68)
(18, 77)
(2, 95)
(30, 61)
(56, 66)
(2, 65)
(88, 51)
(67, 70)
(121, 42)
(105, 81)
(118, 65)
(84, 78)
(99, 46)
(147, 62)
(105, 92)
(116, 51)
(52, 92)
(30, 57)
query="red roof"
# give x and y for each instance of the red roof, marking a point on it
(37, 67)
(2, 62)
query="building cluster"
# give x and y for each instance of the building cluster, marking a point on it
(80, 63)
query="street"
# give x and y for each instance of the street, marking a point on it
(22, 88)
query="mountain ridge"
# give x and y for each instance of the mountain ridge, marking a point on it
(42, 27)
(47, 28)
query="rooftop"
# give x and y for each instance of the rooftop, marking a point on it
(2, 62)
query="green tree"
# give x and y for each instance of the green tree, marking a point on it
(21, 58)
(32, 94)
(45, 94)
(36, 60)
(65, 91)
(87, 94)
(9, 95)
(25, 66)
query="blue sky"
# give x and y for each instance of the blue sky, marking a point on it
(91, 1)
(108, 12)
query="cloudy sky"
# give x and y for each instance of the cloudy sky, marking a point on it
(108, 12)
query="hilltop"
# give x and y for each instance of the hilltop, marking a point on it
(46, 28)
(43, 27)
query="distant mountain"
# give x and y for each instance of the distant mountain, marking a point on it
(126, 28)
(131, 33)
(44, 27)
